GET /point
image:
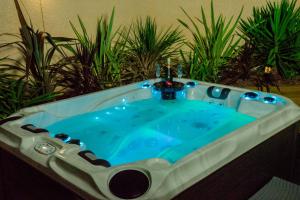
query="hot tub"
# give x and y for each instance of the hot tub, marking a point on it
(128, 143)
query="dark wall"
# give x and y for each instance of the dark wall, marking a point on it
(20, 181)
(297, 169)
(244, 176)
(1, 178)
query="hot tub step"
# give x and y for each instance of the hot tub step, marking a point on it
(278, 189)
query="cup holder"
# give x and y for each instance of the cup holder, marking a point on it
(129, 184)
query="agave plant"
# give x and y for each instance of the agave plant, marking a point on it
(147, 46)
(212, 48)
(92, 64)
(274, 33)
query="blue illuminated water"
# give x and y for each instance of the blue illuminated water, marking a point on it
(151, 129)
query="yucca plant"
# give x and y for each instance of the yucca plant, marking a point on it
(17, 94)
(36, 64)
(92, 63)
(147, 45)
(110, 48)
(77, 76)
(213, 44)
(6, 77)
(30, 79)
(274, 33)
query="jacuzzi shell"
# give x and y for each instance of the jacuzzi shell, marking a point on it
(166, 180)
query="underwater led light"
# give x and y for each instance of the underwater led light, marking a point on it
(216, 92)
(82, 145)
(146, 85)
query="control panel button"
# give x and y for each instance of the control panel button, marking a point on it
(45, 148)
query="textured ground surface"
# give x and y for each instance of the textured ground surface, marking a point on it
(278, 189)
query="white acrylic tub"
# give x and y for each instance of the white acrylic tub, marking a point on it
(165, 180)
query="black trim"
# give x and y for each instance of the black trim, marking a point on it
(3, 121)
(62, 136)
(74, 141)
(162, 85)
(224, 93)
(34, 129)
(168, 89)
(93, 160)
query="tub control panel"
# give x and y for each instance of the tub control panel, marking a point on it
(45, 148)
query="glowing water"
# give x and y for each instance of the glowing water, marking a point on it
(151, 129)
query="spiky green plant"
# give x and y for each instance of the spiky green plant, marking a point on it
(92, 64)
(30, 79)
(211, 48)
(274, 33)
(17, 94)
(147, 45)
(36, 64)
